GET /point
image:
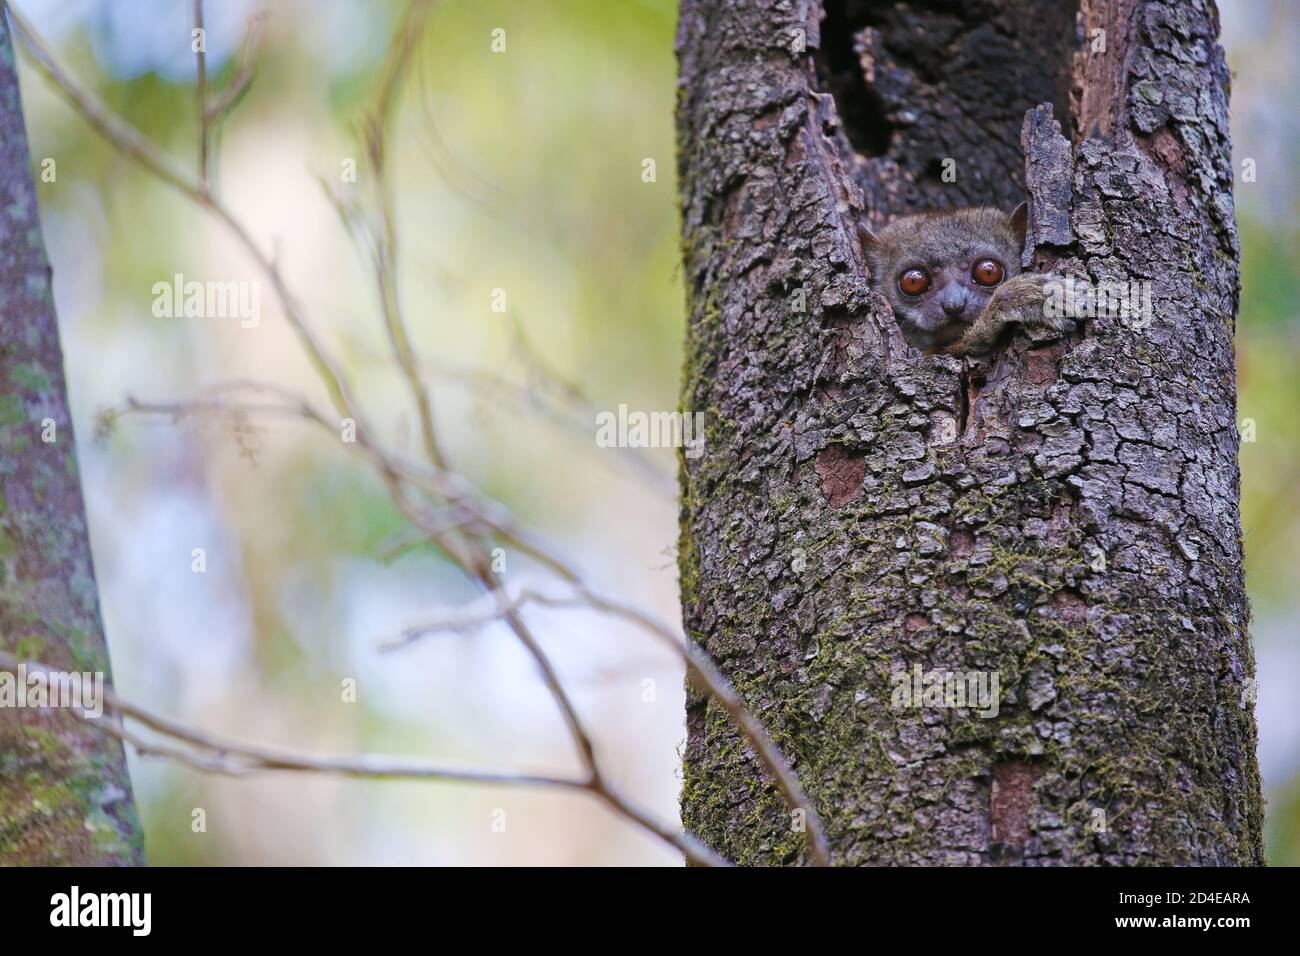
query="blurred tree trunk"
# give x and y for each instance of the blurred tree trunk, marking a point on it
(65, 797)
(1065, 517)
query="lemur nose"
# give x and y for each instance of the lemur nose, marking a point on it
(954, 307)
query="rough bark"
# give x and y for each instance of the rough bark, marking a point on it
(1065, 516)
(65, 797)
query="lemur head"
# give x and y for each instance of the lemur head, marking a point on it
(938, 269)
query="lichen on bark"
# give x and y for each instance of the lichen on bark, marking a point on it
(1065, 515)
(65, 797)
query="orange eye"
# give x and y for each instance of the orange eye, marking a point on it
(914, 281)
(987, 272)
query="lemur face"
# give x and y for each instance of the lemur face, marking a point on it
(938, 270)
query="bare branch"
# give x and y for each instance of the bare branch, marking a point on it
(114, 129)
(225, 101)
(384, 244)
(569, 411)
(201, 92)
(550, 400)
(210, 753)
(131, 142)
(700, 667)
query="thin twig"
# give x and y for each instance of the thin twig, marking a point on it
(384, 255)
(201, 93)
(134, 144)
(549, 399)
(701, 669)
(213, 754)
(226, 100)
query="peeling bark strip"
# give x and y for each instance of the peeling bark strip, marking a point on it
(1078, 534)
(841, 473)
(65, 797)
(1009, 807)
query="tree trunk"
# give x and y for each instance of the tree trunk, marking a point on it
(1063, 517)
(65, 797)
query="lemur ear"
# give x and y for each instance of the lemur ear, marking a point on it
(868, 238)
(1019, 222)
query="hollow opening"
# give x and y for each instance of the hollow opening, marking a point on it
(932, 87)
(840, 72)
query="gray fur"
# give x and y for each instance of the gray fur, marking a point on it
(947, 244)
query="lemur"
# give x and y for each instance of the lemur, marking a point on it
(953, 278)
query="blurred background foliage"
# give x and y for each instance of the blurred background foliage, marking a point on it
(1261, 37)
(519, 171)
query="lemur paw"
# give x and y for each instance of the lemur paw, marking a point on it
(1032, 299)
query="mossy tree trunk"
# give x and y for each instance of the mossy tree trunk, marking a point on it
(65, 797)
(1064, 516)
